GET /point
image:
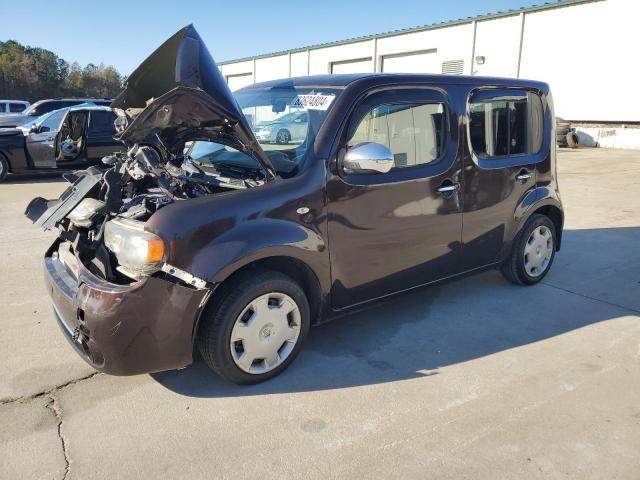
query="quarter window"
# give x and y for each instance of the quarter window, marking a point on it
(507, 125)
(413, 132)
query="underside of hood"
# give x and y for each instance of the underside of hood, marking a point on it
(179, 94)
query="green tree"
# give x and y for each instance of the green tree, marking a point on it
(32, 74)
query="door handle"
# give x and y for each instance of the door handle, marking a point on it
(448, 187)
(49, 139)
(523, 176)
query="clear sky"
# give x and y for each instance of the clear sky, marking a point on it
(123, 33)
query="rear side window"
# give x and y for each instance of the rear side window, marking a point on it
(413, 132)
(505, 123)
(102, 121)
(17, 107)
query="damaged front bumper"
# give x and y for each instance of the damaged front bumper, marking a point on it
(144, 327)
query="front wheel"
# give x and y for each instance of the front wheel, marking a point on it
(283, 137)
(533, 252)
(4, 168)
(256, 328)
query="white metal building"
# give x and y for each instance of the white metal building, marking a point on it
(585, 49)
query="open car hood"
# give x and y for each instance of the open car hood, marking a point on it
(179, 94)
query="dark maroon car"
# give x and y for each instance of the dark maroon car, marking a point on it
(201, 236)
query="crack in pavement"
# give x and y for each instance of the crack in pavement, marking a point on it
(50, 391)
(56, 409)
(54, 406)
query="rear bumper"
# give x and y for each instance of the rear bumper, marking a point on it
(144, 327)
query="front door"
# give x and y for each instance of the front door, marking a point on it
(393, 231)
(505, 134)
(41, 142)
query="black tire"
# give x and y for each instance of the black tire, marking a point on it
(283, 136)
(4, 168)
(215, 328)
(513, 268)
(572, 140)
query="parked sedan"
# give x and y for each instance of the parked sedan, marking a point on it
(84, 133)
(45, 106)
(290, 127)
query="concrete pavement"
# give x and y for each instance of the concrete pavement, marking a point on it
(473, 379)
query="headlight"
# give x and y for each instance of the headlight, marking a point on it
(85, 211)
(139, 252)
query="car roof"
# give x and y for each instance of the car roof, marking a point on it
(22, 102)
(342, 80)
(82, 106)
(87, 106)
(73, 99)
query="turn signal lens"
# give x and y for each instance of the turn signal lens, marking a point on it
(155, 251)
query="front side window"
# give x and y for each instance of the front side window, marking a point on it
(505, 125)
(2, 107)
(413, 132)
(52, 122)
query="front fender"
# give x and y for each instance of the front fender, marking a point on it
(213, 248)
(258, 239)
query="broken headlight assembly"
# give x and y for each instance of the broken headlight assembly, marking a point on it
(84, 213)
(139, 253)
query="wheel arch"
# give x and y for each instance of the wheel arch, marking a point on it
(550, 207)
(556, 216)
(296, 269)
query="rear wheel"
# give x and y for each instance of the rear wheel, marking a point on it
(255, 331)
(533, 252)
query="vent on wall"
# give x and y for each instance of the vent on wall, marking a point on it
(453, 67)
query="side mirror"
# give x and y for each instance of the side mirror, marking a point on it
(368, 157)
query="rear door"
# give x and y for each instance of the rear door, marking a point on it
(504, 136)
(99, 135)
(396, 230)
(41, 143)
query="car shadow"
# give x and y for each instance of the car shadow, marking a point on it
(416, 334)
(46, 177)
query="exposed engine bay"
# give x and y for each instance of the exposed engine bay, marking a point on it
(140, 182)
(173, 102)
(101, 216)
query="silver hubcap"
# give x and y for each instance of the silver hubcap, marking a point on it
(538, 251)
(265, 333)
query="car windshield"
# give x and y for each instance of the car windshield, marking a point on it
(284, 120)
(32, 110)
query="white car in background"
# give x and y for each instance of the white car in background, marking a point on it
(290, 127)
(13, 106)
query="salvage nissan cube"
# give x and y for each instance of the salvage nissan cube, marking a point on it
(200, 236)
